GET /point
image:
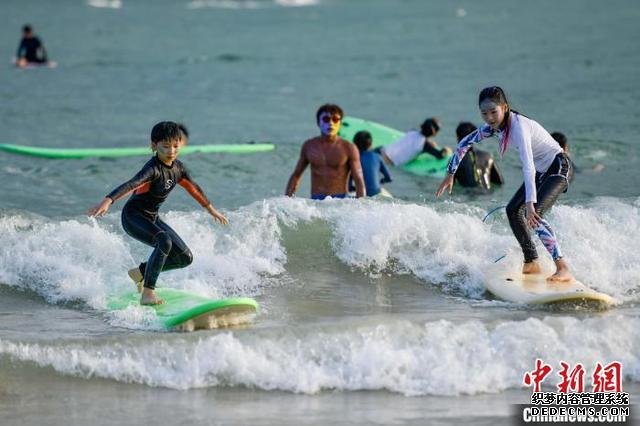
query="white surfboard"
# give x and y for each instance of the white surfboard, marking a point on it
(535, 289)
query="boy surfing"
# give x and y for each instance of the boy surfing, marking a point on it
(150, 187)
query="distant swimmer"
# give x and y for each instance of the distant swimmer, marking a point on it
(332, 159)
(31, 51)
(150, 188)
(477, 168)
(414, 143)
(372, 164)
(547, 173)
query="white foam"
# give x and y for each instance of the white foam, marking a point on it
(105, 4)
(434, 246)
(62, 261)
(224, 4)
(444, 244)
(248, 4)
(447, 243)
(436, 358)
(599, 242)
(296, 3)
(86, 260)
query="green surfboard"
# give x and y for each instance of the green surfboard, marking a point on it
(75, 153)
(186, 311)
(422, 165)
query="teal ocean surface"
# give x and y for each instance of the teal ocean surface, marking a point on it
(373, 311)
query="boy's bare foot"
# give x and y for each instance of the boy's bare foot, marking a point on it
(562, 274)
(149, 297)
(137, 278)
(531, 268)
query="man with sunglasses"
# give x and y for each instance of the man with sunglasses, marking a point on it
(414, 143)
(332, 159)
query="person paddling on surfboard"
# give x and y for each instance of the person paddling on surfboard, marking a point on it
(546, 168)
(332, 159)
(150, 187)
(414, 143)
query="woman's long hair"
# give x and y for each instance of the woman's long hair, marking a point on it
(497, 95)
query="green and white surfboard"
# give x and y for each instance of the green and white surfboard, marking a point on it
(423, 165)
(77, 153)
(186, 311)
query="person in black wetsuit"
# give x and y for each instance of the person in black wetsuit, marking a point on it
(150, 187)
(31, 50)
(477, 168)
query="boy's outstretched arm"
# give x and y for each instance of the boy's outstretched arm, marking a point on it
(142, 177)
(198, 194)
(100, 209)
(219, 217)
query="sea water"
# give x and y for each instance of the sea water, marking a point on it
(372, 311)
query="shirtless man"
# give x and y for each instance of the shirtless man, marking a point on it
(332, 159)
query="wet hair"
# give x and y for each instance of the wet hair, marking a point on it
(493, 93)
(561, 139)
(166, 131)
(363, 140)
(27, 28)
(496, 94)
(329, 108)
(464, 128)
(430, 126)
(185, 132)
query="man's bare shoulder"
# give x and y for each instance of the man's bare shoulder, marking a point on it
(348, 146)
(345, 142)
(310, 142)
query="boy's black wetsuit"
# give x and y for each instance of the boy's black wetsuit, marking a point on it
(151, 186)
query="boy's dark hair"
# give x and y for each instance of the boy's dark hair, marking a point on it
(560, 138)
(464, 128)
(363, 140)
(430, 126)
(329, 108)
(27, 28)
(165, 131)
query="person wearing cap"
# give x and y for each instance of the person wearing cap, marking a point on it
(31, 50)
(414, 143)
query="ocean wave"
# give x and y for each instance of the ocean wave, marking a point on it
(445, 244)
(434, 358)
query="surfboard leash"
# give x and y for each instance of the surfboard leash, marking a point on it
(493, 211)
